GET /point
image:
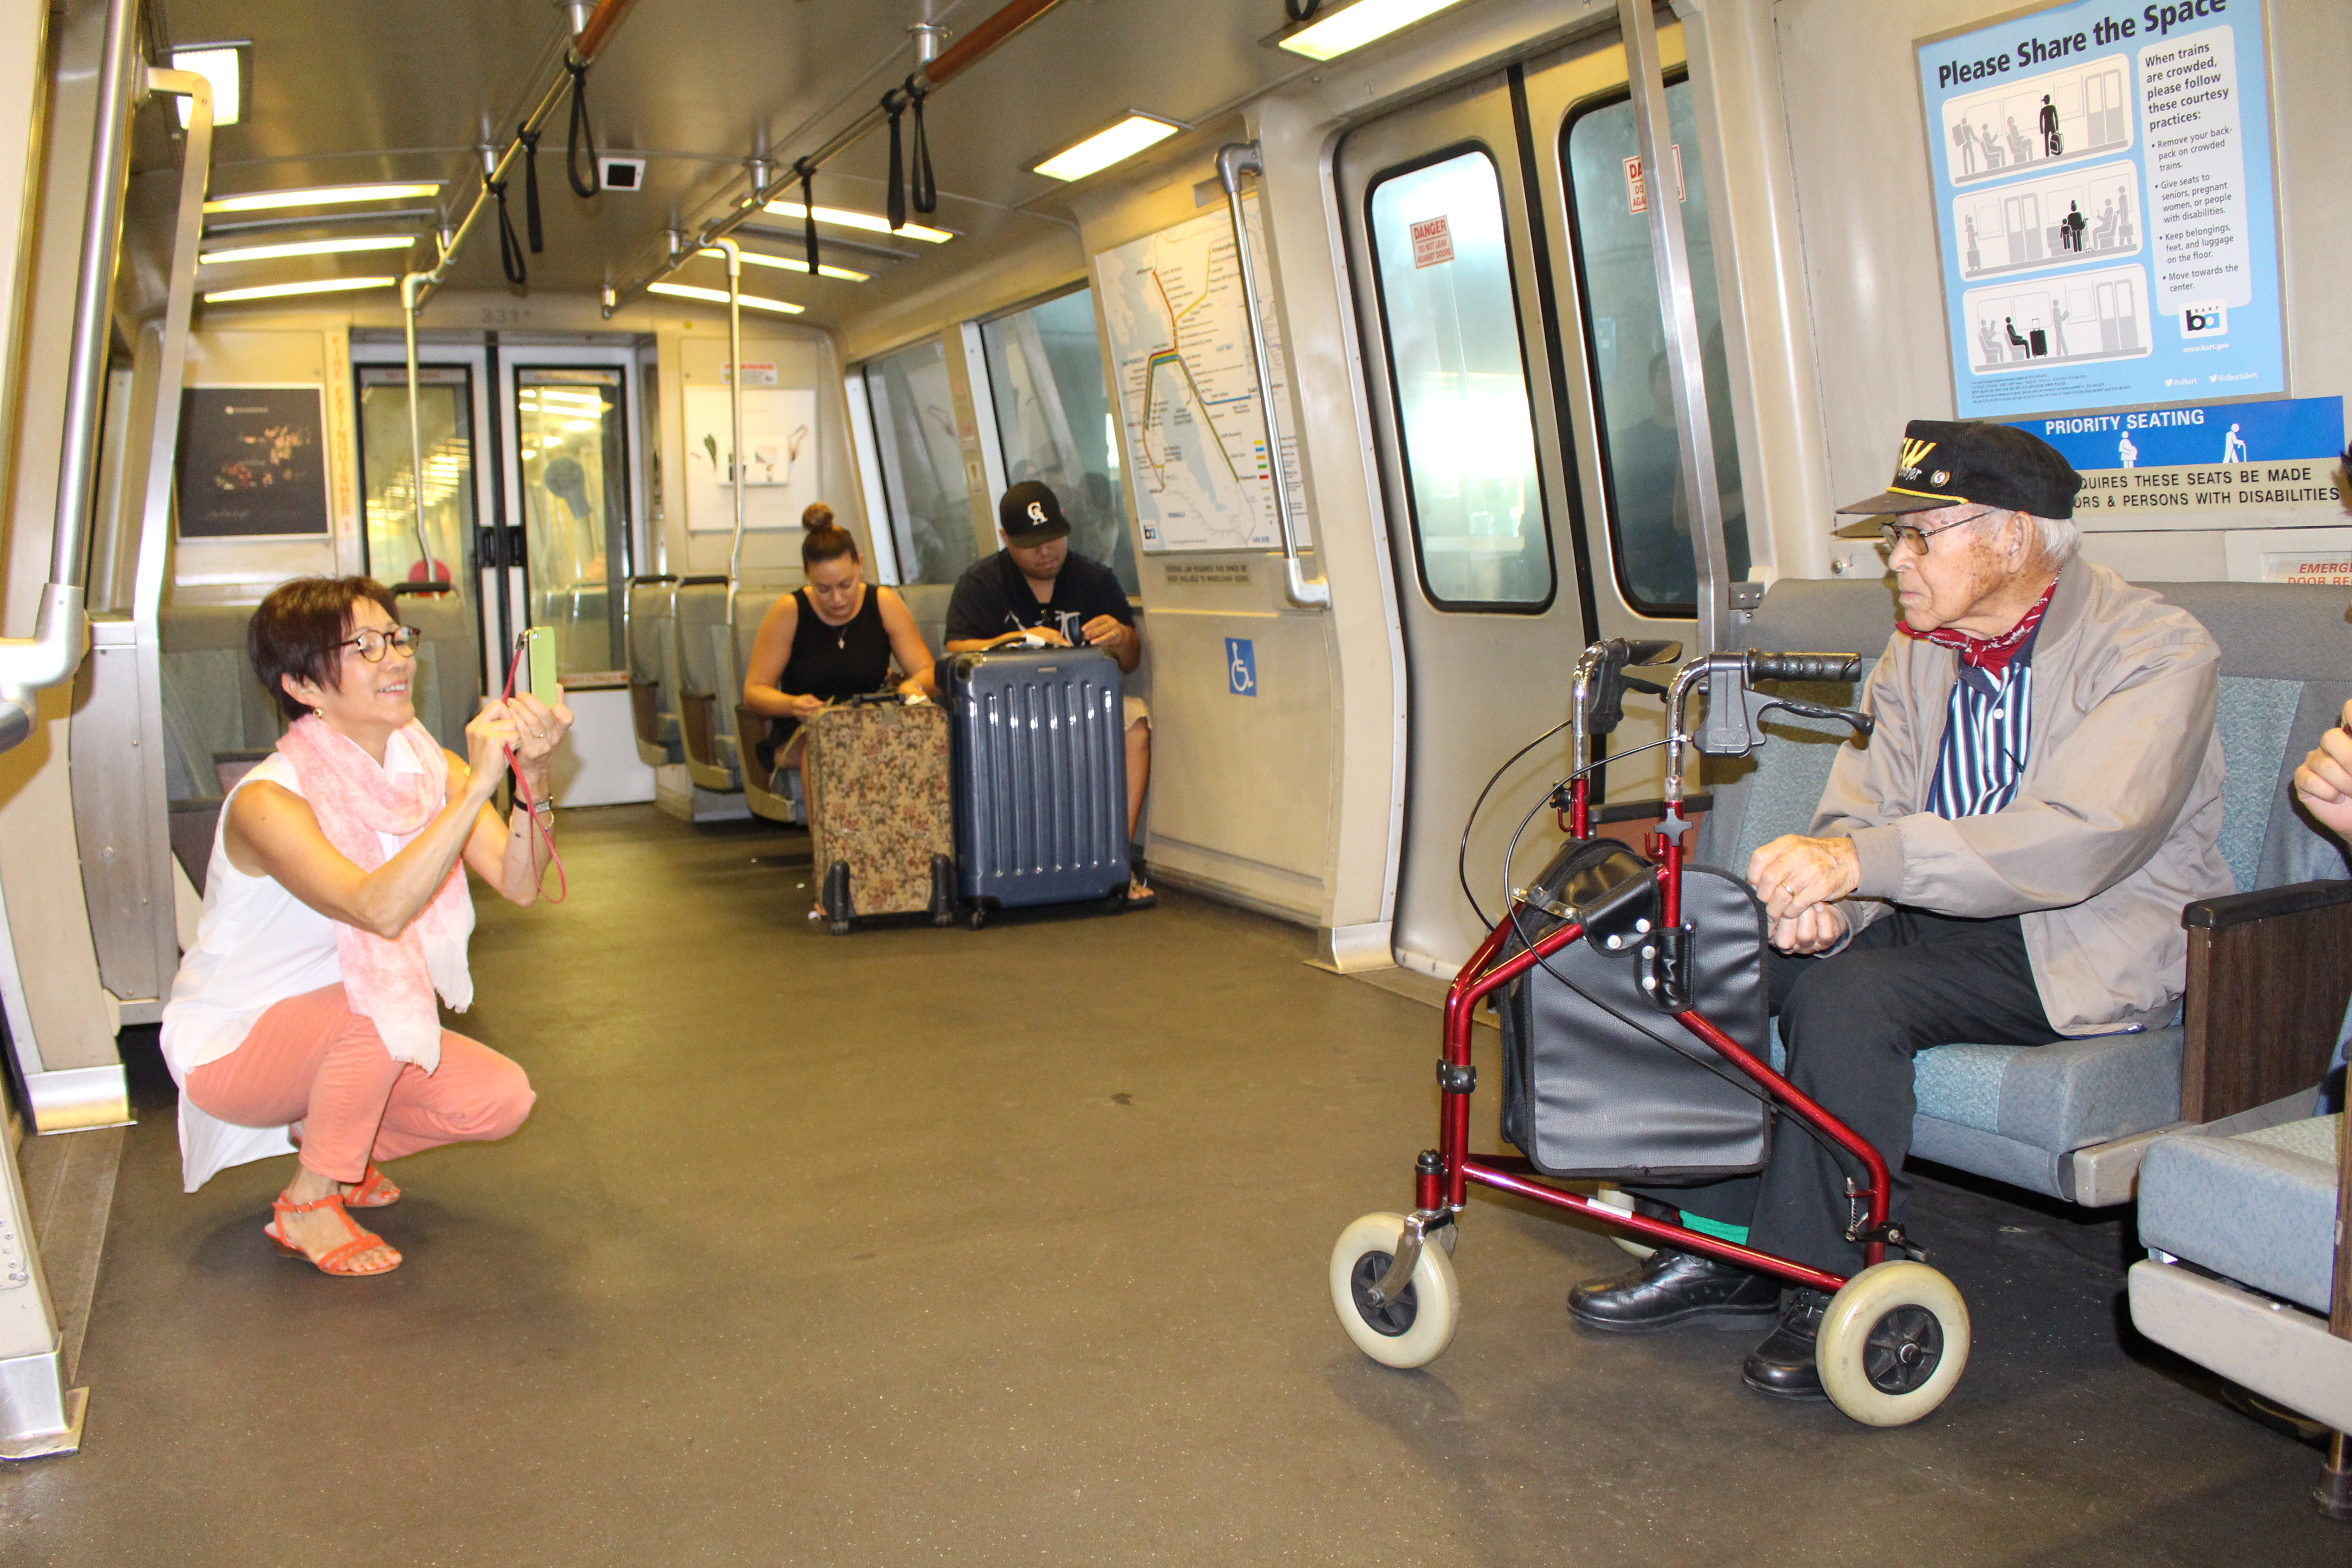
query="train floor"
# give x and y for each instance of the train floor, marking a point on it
(1009, 1248)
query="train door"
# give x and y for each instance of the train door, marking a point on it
(453, 413)
(569, 430)
(1528, 445)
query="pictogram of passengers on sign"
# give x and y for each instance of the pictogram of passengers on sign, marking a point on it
(2106, 207)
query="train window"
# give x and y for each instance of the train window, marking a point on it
(1054, 419)
(444, 407)
(1641, 461)
(922, 463)
(1465, 433)
(573, 444)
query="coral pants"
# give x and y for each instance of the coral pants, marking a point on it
(312, 1059)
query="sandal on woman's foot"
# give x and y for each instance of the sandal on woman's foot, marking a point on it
(334, 1259)
(1139, 897)
(376, 1191)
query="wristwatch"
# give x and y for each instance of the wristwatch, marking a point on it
(543, 808)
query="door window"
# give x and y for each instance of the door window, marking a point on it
(1054, 420)
(571, 444)
(1641, 467)
(1465, 433)
(445, 406)
(922, 462)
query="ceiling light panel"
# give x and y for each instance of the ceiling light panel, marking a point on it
(1114, 144)
(223, 65)
(718, 297)
(283, 291)
(1331, 37)
(346, 245)
(323, 197)
(872, 223)
(795, 264)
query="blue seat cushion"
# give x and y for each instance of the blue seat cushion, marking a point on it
(2061, 1097)
(2259, 1207)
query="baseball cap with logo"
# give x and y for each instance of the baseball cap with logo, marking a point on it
(1946, 463)
(1031, 514)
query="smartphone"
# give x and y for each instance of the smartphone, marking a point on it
(536, 670)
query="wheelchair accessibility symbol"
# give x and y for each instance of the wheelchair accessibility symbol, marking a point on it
(1241, 666)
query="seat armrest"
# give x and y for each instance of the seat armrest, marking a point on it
(2269, 973)
(2264, 903)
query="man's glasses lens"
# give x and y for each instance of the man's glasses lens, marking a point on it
(1900, 533)
(371, 642)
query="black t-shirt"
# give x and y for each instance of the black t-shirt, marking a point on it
(992, 598)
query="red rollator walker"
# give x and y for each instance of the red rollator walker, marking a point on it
(1635, 1049)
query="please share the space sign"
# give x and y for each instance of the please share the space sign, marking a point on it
(2280, 454)
(2106, 204)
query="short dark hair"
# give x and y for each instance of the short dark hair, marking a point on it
(300, 630)
(825, 540)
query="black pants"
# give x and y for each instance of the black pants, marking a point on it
(1852, 1024)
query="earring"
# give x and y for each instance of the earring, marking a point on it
(320, 714)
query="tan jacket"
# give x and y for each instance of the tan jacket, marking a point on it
(2116, 823)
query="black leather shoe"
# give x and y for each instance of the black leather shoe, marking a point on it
(1783, 1366)
(1673, 1288)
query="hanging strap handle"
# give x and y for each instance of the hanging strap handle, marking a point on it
(530, 139)
(893, 105)
(581, 132)
(925, 187)
(808, 210)
(510, 256)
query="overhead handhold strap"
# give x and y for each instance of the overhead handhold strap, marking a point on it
(511, 256)
(530, 139)
(894, 104)
(926, 191)
(808, 210)
(582, 134)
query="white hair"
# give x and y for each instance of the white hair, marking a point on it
(2056, 538)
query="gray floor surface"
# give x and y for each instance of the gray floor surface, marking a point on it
(1009, 1248)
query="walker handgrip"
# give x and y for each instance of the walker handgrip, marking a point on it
(1802, 666)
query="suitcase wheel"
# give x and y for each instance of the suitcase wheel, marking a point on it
(977, 916)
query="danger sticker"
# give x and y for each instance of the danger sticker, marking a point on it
(1637, 194)
(1433, 242)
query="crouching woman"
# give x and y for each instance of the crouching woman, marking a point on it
(303, 1018)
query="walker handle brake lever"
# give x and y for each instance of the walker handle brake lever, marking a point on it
(1863, 723)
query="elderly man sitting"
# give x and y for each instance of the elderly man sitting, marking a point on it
(2004, 863)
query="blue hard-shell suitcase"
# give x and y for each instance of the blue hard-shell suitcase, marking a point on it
(1037, 758)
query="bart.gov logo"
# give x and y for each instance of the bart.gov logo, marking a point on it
(2204, 321)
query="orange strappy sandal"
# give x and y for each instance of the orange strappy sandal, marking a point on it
(376, 1191)
(334, 1261)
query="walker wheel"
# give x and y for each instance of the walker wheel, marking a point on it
(1620, 1199)
(1414, 1328)
(1892, 1343)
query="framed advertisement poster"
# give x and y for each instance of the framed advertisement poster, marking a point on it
(252, 462)
(2105, 203)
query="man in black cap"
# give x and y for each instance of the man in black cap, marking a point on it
(2004, 862)
(1037, 586)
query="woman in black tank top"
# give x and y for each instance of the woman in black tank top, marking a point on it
(834, 639)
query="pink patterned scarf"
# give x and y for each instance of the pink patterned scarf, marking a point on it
(354, 800)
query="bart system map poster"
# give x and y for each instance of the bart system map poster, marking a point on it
(2105, 205)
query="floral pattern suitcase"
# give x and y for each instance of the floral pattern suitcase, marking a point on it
(876, 778)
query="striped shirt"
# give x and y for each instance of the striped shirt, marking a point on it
(1989, 724)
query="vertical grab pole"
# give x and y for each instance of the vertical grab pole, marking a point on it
(1235, 160)
(409, 286)
(734, 254)
(1685, 365)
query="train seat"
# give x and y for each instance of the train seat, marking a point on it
(2072, 1119)
(447, 685)
(752, 605)
(2241, 1223)
(704, 658)
(652, 682)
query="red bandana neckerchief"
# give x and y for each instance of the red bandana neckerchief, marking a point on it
(1990, 654)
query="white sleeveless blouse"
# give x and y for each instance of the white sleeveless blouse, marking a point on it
(256, 946)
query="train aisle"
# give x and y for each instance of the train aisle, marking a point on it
(1009, 1248)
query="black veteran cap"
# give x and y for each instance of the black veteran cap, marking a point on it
(1031, 514)
(1945, 463)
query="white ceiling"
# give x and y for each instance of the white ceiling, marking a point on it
(348, 91)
